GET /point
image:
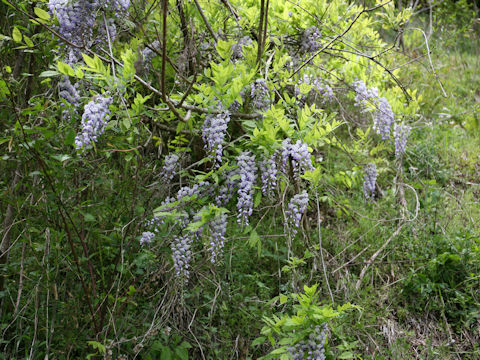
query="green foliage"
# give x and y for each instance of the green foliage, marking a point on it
(168, 348)
(286, 330)
(447, 284)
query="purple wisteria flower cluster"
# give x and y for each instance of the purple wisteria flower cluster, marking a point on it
(94, 119)
(299, 154)
(364, 94)
(239, 181)
(119, 6)
(247, 171)
(312, 348)
(68, 91)
(170, 166)
(237, 49)
(226, 191)
(269, 171)
(260, 94)
(179, 202)
(370, 178)
(156, 222)
(218, 228)
(310, 41)
(214, 130)
(234, 107)
(318, 87)
(296, 208)
(400, 134)
(182, 254)
(196, 189)
(384, 118)
(76, 20)
(148, 54)
(147, 238)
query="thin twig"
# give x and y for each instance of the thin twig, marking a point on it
(337, 37)
(319, 221)
(372, 58)
(375, 255)
(207, 24)
(20, 279)
(164, 50)
(430, 61)
(260, 32)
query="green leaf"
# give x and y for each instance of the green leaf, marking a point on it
(166, 353)
(279, 351)
(48, 73)
(254, 239)
(62, 158)
(88, 60)
(65, 69)
(182, 353)
(186, 345)
(346, 355)
(79, 74)
(131, 290)
(126, 122)
(88, 217)
(258, 341)
(42, 14)
(28, 41)
(98, 346)
(128, 58)
(258, 199)
(16, 35)
(69, 138)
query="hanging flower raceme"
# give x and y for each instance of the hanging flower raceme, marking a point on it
(170, 167)
(370, 178)
(312, 348)
(182, 254)
(260, 94)
(146, 238)
(226, 191)
(384, 119)
(196, 189)
(311, 40)
(218, 228)
(296, 208)
(68, 91)
(76, 20)
(318, 87)
(384, 116)
(247, 171)
(214, 131)
(94, 120)
(148, 54)
(299, 154)
(269, 171)
(400, 134)
(364, 95)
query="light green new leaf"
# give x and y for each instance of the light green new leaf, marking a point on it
(16, 35)
(42, 14)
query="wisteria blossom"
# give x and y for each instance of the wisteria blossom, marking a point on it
(370, 179)
(94, 120)
(296, 208)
